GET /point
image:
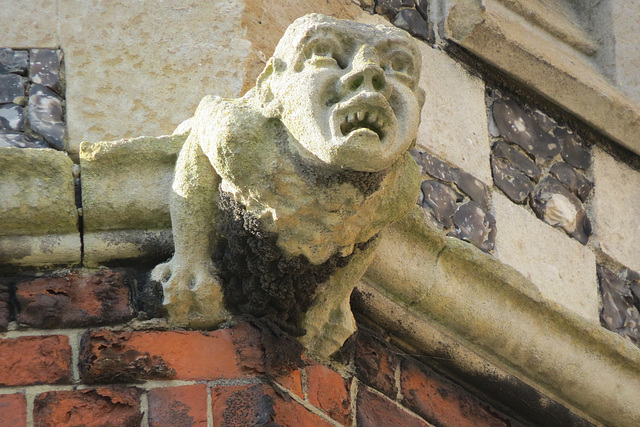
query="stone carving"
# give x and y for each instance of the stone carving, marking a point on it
(279, 196)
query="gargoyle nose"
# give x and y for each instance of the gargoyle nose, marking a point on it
(365, 75)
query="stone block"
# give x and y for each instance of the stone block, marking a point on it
(616, 204)
(29, 23)
(35, 360)
(128, 356)
(116, 76)
(178, 406)
(13, 410)
(454, 117)
(563, 270)
(106, 406)
(74, 300)
(126, 187)
(37, 208)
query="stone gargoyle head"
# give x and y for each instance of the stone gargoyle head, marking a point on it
(279, 196)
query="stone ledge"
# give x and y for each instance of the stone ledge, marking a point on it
(482, 305)
(533, 57)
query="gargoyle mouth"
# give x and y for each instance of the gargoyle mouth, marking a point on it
(363, 119)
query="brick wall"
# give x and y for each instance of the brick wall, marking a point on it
(76, 353)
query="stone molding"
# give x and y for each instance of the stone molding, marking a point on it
(533, 55)
(483, 309)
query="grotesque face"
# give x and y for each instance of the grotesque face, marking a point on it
(348, 93)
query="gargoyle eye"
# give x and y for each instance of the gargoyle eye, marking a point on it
(400, 64)
(323, 51)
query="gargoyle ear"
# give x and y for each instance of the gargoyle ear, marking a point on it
(265, 79)
(421, 96)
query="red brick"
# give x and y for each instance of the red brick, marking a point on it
(375, 362)
(374, 410)
(441, 402)
(35, 360)
(247, 341)
(74, 300)
(182, 355)
(104, 406)
(292, 382)
(328, 391)
(184, 406)
(13, 410)
(258, 404)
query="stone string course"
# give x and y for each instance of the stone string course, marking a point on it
(32, 99)
(87, 366)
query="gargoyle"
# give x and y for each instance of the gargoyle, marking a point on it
(279, 196)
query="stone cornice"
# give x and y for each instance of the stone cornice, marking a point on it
(530, 51)
(475, 302)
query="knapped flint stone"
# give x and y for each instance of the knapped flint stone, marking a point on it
(472, 187)
(516, 159)
(635, 290)
(422, 6)
(37, 89)
(518, 127)
(546, 123)
(20, 140)
(476, 225)
(557, 206)
(433, 166)
(11, 87)
(440, 201)
(11, 117)
(573, 151)
(515, 184)
(44, 68)
(45, 118)
(13, 61)
(618, 312)
(412, 22)
(390, 8)
(572, 179)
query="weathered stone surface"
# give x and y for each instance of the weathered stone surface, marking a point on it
(619, 313)
(107, 406)
(572, 179)
(455, 131)
(46, 118)
(557, 206)
(616, 204)
(412, 21)
(44, 68)
(472, 187)
(433, 166)
(625, 29)
(515, 184)
(37, 208)
(126, 35)
(476, 225)
(11, 88)
(125, 197)
(74, 300)
(561, 268)
(14, 61)
(516, 159)
(440, 200)
(518, 127)
(29, 24)
(574, 151)
(20, 140)
(11, 117)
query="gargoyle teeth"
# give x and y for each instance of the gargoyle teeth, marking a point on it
(362, 119)
(361, 115)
